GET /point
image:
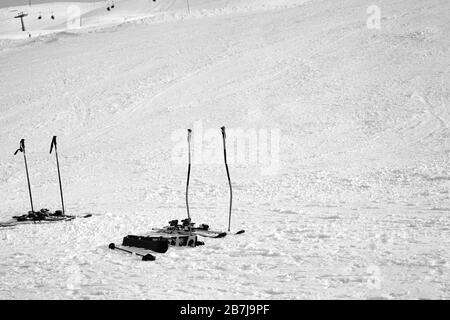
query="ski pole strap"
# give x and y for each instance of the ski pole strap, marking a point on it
(223, 132)
(53, 144)
(22, 147)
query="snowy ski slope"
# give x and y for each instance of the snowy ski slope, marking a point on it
(358, 208)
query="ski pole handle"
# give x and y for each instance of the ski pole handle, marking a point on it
(223, 132)
(22, 147)
(189, 143)
(189, 135)
(53, 144)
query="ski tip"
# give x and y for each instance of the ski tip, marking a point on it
(148, 257)
(112, 246)
(240, 232)
(87, 215)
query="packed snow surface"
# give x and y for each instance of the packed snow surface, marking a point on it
(358, 206)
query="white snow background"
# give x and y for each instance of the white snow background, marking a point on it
(358, 208)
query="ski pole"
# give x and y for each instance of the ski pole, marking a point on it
(59, 173)
(146, 257)
(188, 7)
(188, 175)
(22, 149)
(228, 175)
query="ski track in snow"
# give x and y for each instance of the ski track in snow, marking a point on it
(359, 208)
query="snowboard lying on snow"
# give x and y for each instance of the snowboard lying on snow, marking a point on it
(42, 216)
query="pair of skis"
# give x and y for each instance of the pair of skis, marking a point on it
(40, 217)
(189, 228)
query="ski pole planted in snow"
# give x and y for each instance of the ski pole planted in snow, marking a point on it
(59, 173)
(188, 175)
(22, 149)
(228, 175)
